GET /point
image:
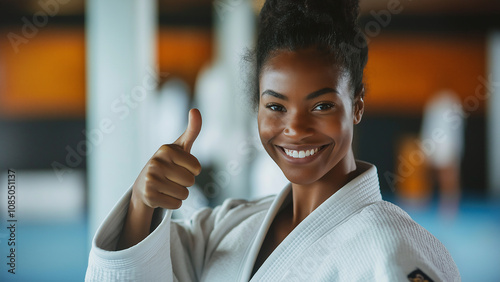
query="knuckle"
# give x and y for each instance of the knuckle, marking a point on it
(164, 147)
(152, 165)
(191, 180)
(149, 193)
(184, 194)
(165, 150)
(176, 204)
(198, 169)
(148, 182)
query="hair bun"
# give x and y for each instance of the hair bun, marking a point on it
(346, 11)
(332, 13)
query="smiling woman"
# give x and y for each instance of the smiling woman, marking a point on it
(329, 224)
(306, 104)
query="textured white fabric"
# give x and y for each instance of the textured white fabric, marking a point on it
(353, 236)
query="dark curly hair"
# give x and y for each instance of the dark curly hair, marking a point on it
(329, 25)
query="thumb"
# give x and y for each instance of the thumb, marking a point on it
(187, 138)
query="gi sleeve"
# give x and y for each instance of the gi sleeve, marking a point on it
(174, 251)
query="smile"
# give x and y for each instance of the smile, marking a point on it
(301, 154)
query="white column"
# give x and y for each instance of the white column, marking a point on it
(235, 33)
(121, 78)
(219, 96)
(493, 114)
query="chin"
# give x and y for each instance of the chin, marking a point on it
(301, 178)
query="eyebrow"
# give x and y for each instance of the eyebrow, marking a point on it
(310, 96)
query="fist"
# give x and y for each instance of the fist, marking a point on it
(163, 180)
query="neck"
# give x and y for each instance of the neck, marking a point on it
(306, 198)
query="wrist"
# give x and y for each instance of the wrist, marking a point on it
(139, 209)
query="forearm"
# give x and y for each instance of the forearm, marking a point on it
(137, 225)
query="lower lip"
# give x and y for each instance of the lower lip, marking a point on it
(303, 160)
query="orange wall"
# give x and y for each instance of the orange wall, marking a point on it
(47, 77)
(403, 71)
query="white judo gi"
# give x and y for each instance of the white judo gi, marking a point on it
(353, 236)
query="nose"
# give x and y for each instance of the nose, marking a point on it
(298, 126)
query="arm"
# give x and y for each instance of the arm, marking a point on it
(162, 183)
(174, 251)
(127, 245)
(137, 225)
(148, 260)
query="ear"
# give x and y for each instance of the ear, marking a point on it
(359, 107)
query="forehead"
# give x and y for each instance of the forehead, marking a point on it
(306, 70)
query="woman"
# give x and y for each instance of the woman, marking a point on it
(329, 224)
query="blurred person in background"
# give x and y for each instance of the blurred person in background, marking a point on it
(443, 117)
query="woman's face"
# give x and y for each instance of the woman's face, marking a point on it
(306, 114)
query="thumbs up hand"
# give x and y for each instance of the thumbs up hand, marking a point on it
(163, 180)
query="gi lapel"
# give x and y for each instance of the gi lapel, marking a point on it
(254, 248)
(358, 193)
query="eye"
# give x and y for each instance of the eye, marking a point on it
(276, 108)
(323, 106)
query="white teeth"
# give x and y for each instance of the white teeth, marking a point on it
(300, 154)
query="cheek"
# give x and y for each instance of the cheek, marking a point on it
(346, 131)
(339, 128)
(269, 126)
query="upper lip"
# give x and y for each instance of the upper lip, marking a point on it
(301, 147)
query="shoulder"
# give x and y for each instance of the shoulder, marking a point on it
(389, 217)
(397, 229)
(405, 244)
(394, 222)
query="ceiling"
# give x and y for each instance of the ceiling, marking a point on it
(199, 12)
(75, 7)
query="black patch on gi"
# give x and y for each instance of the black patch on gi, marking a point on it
(419, 276)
